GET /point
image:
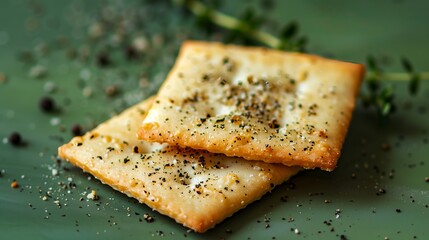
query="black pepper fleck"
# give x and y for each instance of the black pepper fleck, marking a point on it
(103, 60)
(131, 53)
(47, 104)
(15, 139)
(77, 130)
(136, 149)
(148, 218)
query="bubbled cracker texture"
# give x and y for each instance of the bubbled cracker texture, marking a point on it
(256, 103)
(173, 181)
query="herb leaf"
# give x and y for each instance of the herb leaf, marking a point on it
(407, 65)
(414, 84)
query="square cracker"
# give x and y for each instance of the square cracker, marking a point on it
(196, 188)
(256, 103)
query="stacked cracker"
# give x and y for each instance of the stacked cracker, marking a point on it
(220, 106)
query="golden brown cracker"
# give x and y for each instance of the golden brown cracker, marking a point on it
(255, 103)
(196, 188)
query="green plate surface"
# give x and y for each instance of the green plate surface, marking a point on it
(54, 48)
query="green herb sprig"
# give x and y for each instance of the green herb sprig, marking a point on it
(379, 96)
(246, 27)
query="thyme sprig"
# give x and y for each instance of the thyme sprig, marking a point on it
(246, 27)
(379, 95)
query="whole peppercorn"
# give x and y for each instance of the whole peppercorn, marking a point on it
(77, 130)
(131, 53)
(111, 91)
(15, 139)
(47, 104)
(103, 60)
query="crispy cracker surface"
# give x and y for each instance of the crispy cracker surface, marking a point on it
(256, 103)
(196, 188)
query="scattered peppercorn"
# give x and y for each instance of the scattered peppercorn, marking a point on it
(103, 60)
(77, 130)
(381, 191)
(427, 179)
(111, 90)
(15, 139)
(136, 149)
(131, 53)
(148, 218)
(398, 210)
(47, 104)
(385, 147)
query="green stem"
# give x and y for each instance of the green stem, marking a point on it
(200, 9)
(398, 76)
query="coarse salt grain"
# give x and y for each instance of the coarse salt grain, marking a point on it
(55, 121)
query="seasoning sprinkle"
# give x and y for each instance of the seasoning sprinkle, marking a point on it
(15, 139)
(77, 130)
(47, 104)
(103, 60)
(111, 91)
(148, 218)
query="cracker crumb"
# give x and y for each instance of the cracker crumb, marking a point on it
(87, 92)
(3, 78)
(38, 71)
(14, 184)
(148, 218)
(93, 196)
(111, 91)
(49, 87)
